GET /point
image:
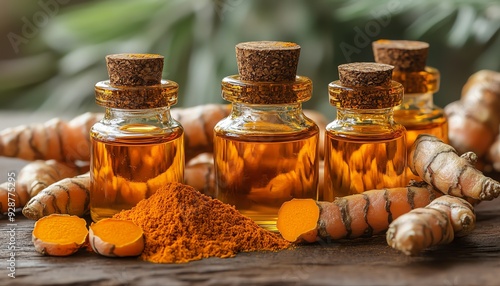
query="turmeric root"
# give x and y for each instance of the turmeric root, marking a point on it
(359, 215)
(198, 123)
(68, 196)
(474, 119)
(55, 139)
(116, 238)
(438, 223)
(59, 235)
(439, 165)
(33, 178)
(199, 174)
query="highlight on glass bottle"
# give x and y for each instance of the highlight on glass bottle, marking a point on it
(417, 112)
(364, 147)
(266, 151)
(137, 147)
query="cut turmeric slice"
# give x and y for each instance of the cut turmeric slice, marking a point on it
(116, 238)
(298, 219)
(59, 234)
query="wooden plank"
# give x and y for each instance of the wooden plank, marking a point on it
(472, 260)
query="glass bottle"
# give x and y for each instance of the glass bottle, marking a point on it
(266, 151)
(137, 147)
(417, 113)
(364, 147)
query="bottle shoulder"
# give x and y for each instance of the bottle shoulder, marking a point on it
(272, 126)
(412, 117)
(114, 128)
(365, 131)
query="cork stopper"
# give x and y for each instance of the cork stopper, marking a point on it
(134, 69)
(365, 86)
(267, 61)
(365, 74)
(135, 83)
(407, 56)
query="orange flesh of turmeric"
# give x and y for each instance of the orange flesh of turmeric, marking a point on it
(296, 218)
(117, 232)
(61, 229)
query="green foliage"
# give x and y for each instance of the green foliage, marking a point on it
(58, 68)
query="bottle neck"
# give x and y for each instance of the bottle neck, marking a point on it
(350, 116)
(366, 124)
(151, 116)
(268, 112)
(266, 120)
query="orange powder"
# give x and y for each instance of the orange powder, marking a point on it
(180, 225)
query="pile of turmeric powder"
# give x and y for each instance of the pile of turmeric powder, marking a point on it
(180, 225)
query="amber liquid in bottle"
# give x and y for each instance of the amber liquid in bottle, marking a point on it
(257, 174)
(354, 164)
(128, 169)
(424, 120)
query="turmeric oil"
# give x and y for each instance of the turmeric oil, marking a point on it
(137, 147)
(266, 151)
(417, 112)
(127, 170)
(258, 174)
(364, 147)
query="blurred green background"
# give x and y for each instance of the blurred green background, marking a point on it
(52, 51)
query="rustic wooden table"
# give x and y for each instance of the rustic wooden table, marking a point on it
(472, 260)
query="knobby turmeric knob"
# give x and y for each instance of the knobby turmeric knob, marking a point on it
(134, 69)
(267, 61)
(407, 56)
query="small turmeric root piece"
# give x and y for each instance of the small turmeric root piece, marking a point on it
(438, 223)
(68, 196)
(59, 235)
(474, 119)
(198, 123)
(55, 139)
(199, 174)
(439, 165)
(358, 215)
(116, 238)
(33, 178)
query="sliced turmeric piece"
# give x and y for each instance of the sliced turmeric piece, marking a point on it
(59, 234)
(116, 238)
(303, 215)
